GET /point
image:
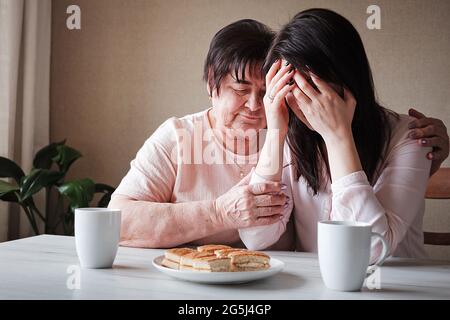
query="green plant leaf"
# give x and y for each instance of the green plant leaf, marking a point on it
(9, 169)
(79, 192)
(36, 180)
(8, 191)
(65, 157)
(107, 190)
(43, 158)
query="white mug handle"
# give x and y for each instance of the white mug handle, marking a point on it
(384, 253)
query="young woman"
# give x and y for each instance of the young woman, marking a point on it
(347, 157)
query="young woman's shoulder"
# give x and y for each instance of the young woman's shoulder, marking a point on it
(398, 124)
(399, 137)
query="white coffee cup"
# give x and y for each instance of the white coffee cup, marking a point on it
(97, 234)
(344, 253)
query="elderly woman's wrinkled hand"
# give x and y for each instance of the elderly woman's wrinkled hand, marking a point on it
(251, 205)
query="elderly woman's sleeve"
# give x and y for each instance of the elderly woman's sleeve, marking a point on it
(153, 171)
(259, 238)
(392, 205)
(149, 218)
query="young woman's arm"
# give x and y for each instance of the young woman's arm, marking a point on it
(259, 238)
(270, 163)
(393, 204)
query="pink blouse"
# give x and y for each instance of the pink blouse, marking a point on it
(394, 205)
(167, 196)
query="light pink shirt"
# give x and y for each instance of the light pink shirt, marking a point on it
(394, 205)
(182, 165)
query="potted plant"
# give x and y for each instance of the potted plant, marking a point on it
(50, 166)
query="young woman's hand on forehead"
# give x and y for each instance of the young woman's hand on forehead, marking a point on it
(328, 114)
(278, 84)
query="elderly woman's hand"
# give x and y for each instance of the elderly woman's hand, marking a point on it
(251, 205)
(430, 132)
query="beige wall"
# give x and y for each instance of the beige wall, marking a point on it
(133, 64)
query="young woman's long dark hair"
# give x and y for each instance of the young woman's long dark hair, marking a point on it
(327, 44)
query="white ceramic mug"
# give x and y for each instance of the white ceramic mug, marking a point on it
(97, 234)
(344, 253)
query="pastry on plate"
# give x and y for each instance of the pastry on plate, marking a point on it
(211, 264)
(187, 261)
(225, 252)
(212, 247)
(249, 260)
(215, 258)
(173, 256)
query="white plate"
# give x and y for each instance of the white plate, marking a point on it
(220, 277)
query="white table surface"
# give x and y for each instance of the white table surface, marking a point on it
(36, 268)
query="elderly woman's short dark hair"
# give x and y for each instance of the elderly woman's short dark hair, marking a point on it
(243, 43)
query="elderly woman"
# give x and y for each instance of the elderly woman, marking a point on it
(348, 158)
(183, 186)
(189, 183)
